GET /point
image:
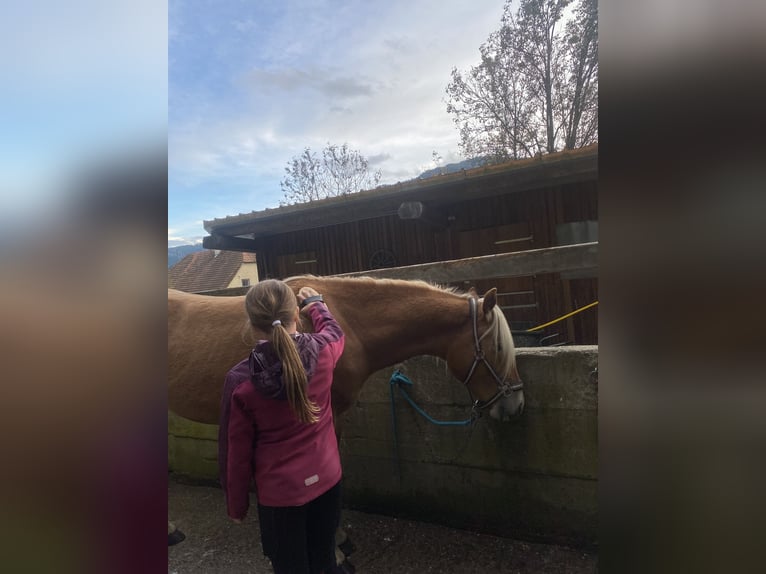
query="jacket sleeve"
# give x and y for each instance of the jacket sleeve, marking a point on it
(236, 435)
(327, 329)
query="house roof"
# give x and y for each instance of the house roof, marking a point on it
(512, 176)
(207, 270)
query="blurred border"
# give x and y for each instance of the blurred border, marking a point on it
(683, 207)
(83, 315)
(83, 278)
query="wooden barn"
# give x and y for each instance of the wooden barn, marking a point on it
(516, 206)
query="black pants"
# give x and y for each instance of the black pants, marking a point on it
(301, 539)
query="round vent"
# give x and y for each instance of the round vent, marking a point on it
(381, 259)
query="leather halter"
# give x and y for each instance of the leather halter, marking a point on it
(504, 388)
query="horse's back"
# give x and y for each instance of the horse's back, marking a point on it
(205, 340)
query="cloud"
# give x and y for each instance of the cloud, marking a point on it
(278, 78)
(265, 82)
(245, 26)
(186, 236)
(378, 158)
(178, 241)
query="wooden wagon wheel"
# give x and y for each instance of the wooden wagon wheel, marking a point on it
(381, 259)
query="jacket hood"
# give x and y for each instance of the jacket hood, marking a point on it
(266, 368)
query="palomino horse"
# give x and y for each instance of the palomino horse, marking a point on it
(385, 322)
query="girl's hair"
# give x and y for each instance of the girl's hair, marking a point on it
(268, 301)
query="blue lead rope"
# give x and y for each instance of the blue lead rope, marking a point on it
(398, 380)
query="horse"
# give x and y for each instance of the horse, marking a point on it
(385, 322)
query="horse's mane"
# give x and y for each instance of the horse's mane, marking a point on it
(381, 281)
(499, 333)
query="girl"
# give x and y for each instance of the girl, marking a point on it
(277, 427)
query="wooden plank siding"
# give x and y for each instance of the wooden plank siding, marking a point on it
(463, 229)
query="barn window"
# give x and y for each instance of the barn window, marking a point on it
(304, 258)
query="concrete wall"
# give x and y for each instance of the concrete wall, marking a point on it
(192, 449)
(534, 478)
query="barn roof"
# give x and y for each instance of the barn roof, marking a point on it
(207, 270)
(512, 176)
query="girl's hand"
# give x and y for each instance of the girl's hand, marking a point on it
(305, 293)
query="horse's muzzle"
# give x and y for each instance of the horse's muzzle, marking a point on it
(508, 407)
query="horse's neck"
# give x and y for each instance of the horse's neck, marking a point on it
(424, 324)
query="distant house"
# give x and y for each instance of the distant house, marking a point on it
(213, 269)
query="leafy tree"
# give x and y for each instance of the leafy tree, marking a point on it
(536, 88)
(338, 171)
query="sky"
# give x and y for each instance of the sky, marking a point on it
(252, 84)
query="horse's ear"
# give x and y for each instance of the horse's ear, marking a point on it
(490, 300)
(472, 292)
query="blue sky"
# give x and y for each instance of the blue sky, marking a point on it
(251, 84)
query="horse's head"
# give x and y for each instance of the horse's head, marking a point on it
(484, 358)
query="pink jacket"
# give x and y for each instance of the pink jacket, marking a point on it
(260, 437)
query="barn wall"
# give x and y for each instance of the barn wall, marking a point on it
(453, 231)
(534, 478)
(498, 224)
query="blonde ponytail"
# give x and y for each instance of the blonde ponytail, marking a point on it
(269, 305)
(294, 376)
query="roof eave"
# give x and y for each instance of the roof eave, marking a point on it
(575, 165)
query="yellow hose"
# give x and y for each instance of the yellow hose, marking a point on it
(564, 317)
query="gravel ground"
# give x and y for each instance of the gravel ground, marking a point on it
(384, 545)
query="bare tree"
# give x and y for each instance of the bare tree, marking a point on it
(490, 104)
(536, 40)
(577, 104)
(535, 90)
(339, 171)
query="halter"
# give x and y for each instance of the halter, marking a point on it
(504, 388)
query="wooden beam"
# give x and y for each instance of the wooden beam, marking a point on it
(518, 264)
(226, 243)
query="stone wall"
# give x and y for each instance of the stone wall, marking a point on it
(533, 478)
